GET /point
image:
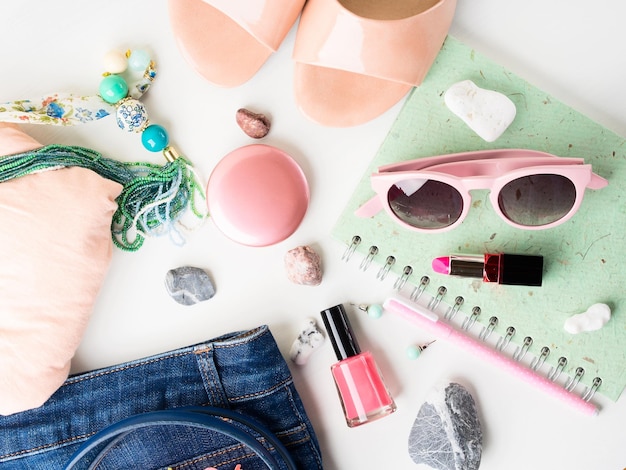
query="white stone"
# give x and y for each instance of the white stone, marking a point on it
(309, 339)
(487, 112)
(593, 319)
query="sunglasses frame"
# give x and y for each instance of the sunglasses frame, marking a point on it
(488, 169)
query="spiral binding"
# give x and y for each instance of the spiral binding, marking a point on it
(385, 268)
(452, 311)
(503, 341)
(538, 361)
(487, 330)
(401, 281)
(434, 303)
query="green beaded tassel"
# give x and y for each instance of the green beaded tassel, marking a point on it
(152, 202)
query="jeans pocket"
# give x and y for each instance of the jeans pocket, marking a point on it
(187, 438)
(282, 411)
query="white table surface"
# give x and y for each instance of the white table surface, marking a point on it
(572, 49)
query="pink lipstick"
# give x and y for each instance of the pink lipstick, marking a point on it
(518, 270)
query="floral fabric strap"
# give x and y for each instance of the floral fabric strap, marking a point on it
(67, 109)
(56, 109)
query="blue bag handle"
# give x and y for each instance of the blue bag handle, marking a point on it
(209, 418)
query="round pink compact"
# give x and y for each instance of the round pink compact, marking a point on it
(257, 195)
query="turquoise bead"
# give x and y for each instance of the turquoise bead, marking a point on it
(138, 60)
(375, 311)
(154, 138)
(413, 352)
(113, 88)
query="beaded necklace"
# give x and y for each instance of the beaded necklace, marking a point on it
(154, 198)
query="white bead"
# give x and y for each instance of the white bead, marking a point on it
(115, 61)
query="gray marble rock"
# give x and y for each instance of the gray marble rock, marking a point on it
(188, 285)
(446, 434)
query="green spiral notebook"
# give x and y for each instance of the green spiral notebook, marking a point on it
(584, 258)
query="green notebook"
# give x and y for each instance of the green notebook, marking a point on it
(584, 258)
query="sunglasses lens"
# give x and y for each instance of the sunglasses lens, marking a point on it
(537, 200)
(425, 204)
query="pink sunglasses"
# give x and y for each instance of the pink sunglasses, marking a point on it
(528, 189)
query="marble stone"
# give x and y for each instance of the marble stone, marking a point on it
(594, 318)
(487, 112)
(309, 339)
(189, 285)
(303, 266)
(446, 434)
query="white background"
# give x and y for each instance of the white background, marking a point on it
(572, 49)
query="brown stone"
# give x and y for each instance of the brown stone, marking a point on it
(253, 124)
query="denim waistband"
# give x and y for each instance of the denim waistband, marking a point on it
(242, 371)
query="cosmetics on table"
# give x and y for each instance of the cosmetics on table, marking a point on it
(521, 270)
(363, 394)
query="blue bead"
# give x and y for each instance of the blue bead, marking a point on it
(113, 88)
(154, 138)
(138, 60)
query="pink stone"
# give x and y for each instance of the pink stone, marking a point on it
(254, 125)
(303, 266)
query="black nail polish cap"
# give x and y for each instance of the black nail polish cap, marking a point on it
(340, 332)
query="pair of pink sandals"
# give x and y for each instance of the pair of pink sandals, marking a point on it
(354, 59)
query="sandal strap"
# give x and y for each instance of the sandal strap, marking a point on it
(400, 50)
(268, 21)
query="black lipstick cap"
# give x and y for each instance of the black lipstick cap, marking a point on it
(521, 270)
(340, 332)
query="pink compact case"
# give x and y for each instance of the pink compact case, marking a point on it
(257, 195)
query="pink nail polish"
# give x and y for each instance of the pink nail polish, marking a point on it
(362, 391)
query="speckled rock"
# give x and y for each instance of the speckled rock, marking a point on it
(303, 266)
(307, 342)
(446, 434)
(254, 125)
(188, 285)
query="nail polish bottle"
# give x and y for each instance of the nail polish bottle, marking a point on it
(363, 394)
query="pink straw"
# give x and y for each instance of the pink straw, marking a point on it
(430, 321)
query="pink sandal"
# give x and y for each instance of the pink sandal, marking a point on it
(227, 41)
(355, 59)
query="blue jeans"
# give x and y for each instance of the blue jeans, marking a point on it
(242, 371)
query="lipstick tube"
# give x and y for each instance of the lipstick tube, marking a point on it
(362, 391)
(520, 270)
